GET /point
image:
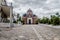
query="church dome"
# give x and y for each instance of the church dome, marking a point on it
(34, 15)
(29, 10)
(24, 15)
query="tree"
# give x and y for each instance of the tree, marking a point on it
(55, 19)
(18, 18)
(18, 15)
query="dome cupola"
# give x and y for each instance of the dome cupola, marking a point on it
(29, 11)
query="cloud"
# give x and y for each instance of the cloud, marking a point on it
(39, 7)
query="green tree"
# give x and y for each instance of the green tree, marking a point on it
(54, 19)
(18, 18)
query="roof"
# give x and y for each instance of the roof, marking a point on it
(27, 15)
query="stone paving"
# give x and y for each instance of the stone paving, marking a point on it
(30, 32)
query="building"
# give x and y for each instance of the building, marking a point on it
(29, 17)
(4, 11)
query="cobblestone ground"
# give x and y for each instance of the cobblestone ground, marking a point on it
(30, 32)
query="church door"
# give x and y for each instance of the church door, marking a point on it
(29, 21)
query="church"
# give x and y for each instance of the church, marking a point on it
(29, 17)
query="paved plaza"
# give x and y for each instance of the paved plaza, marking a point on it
(31, 32)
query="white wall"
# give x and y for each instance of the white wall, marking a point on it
(28, 20)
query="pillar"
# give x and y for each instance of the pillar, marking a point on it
(11, 17)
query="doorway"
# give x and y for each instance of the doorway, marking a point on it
(29, 21)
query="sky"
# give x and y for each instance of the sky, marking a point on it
(39, 7)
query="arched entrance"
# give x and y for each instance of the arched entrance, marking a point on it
(29, 21)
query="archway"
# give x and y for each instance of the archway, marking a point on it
(29, 21)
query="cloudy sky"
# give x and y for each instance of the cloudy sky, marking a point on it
(39, 7)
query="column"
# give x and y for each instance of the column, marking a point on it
(11, 17)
